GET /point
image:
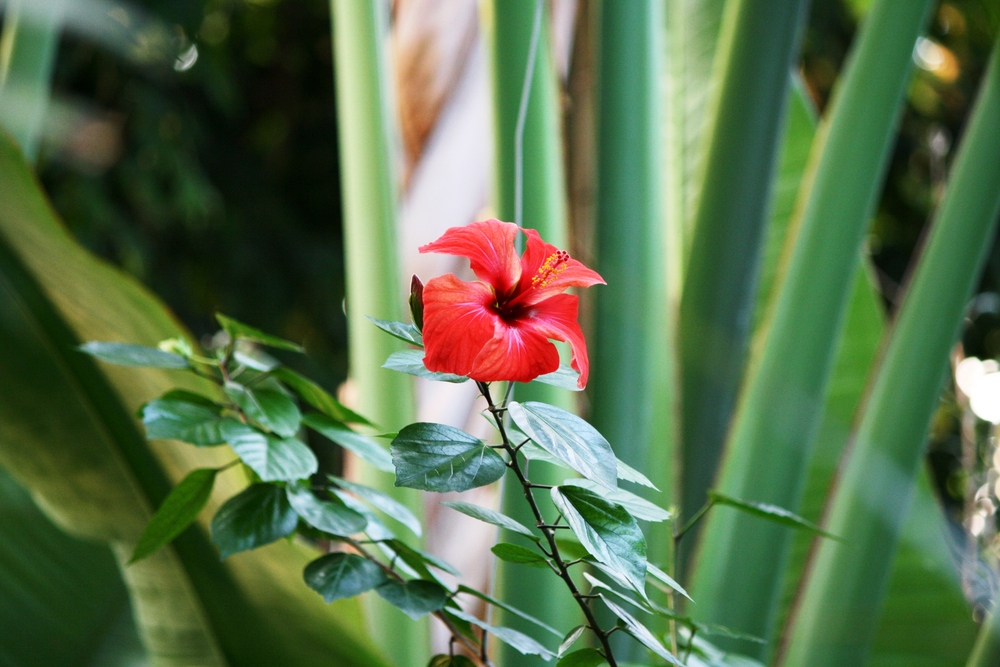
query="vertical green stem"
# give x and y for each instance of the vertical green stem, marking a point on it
(782, 404)
(510, 24)
(758, 45)
(632, 353)
(28, 47)
(835, 621)
(987, 650)
(374, 287)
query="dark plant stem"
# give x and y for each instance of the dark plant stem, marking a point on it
(561, 567)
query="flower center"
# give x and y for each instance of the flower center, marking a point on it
(550, 269)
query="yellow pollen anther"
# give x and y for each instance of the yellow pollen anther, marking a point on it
(550, 269)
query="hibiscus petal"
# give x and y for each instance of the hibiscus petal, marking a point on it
(516, 353)
(489, 246)
(557, 318)
(554, 278)
(458, 323)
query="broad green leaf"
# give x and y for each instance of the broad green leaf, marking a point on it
(638, 507)
(185, 416)
(571, 637)
(239, 330)
(362, 445)
(568, 438)
(404, 332)
(255, 359)
(411, 362)
(316, 396)
(536, 453)
(331, 516)
(509, 609)
(382, 502)
(435, 457)
(516, 640)
(340, 575)
(60, 597)
(564, 378)
(878, 480)
(414, 598)
(640, 632)
(258, 515)
(515, 553)
(270, 408)
(490, 516)
(273, 459)
(609, 533)
(778, 515)
(127, 354)
(585, 657)
(177, 512)
(69, 435)
(665, 579)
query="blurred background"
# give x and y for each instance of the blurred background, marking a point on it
(211, 176)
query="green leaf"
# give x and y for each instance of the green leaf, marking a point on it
(630, 474)
(564, 378)
(256, 359)
(568, 438)
(450, 661)
(340, 575)
(772, 513)
(273, 459)
(637, 506)
(331, 516)
(490, 516)
(436, 457)
(585, 657)
(361, 445)
(125, 354)
(516, 640)
(665, 579)
(515, 553)
(239, 330)
(178, 511)
(571, 637)
(414, 598)
(610, 534)
(418, 559)
(640, 632)
(412, 363)
(270, 408)
(184, 416)
(376, 530)
(316, 396)
(508, 608)
(382, 502)
(404, 332)
(257, 516)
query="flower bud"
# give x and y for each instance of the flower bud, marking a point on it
(417, 302)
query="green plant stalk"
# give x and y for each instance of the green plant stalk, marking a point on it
(987, 649)
(834, 622)
(692, 34)
(28, 46)
(757, 46)
(740, 564)
(510, 24)
(374, 286)
(632, 362)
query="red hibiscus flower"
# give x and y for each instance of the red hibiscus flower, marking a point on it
(499, 329)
